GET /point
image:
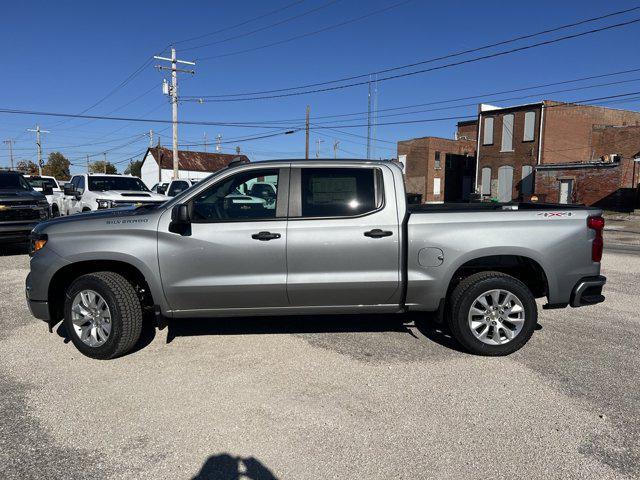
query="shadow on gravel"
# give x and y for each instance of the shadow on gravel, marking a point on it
(228, 467)
(288, 324)
(11, 249)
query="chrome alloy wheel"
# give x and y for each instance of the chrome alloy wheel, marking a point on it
(496, 317)
(91, 318)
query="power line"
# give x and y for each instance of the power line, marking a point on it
(266, 27)
(308, 34)
(232, 27)
(219, 98)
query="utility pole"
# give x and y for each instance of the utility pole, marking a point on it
(104, 162)
(306, 148)
(173, 91)
(10, 142)
(87, 164)
(335, 148)
(318, 142)
(218, 142)
(238, 150)
(151, 138)
(206, 141)
(39, 144)
(369, 121)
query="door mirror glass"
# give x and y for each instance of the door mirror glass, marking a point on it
(180, 214)
(47, 190)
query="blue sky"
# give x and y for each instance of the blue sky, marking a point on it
(64, 56)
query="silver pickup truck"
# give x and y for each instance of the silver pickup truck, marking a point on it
(339, 238)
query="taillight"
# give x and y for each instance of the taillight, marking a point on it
(597, 224)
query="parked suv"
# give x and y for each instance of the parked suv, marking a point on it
(101, 191)
(21, 207)
(51, 189)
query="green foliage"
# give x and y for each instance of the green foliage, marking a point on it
(57, 166)
(99, 167)
(134, 168)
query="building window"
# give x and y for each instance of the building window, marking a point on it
(485, 187)
(507, 133)
(529, 125)
(436, 186)
(437, 162)
(487, 134)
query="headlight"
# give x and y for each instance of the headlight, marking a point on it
(104, 204)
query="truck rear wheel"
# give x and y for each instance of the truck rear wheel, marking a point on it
(103, 315)
(492, 313)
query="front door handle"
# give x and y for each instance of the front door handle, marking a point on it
(377, 233)
(265, 236)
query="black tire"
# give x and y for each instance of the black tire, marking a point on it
(55, 212)
(465, 294)
(125, 308)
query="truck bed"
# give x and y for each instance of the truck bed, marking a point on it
(492, 207)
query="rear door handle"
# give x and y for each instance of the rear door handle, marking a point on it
(265, 236)
(377, 233)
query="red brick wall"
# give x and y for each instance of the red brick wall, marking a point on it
(468, 130)
(420, 169)
(624, 141)
(603, 185)
(567, 131)
(524, 153)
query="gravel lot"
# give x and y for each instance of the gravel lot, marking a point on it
(338, 397)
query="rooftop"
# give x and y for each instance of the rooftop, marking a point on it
(194, 161)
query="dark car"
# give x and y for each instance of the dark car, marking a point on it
(21, 207)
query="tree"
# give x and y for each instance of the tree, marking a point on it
(27, 167)
(99, 167)
(134, 168)
(57, 166)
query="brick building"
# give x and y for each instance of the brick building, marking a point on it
(440, 169)
(513, 141)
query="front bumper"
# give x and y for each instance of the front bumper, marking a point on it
(588, 291)
(16, 232)
(38, 308)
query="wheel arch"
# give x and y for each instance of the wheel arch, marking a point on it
(63, 277)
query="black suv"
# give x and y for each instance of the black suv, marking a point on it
(21, 207)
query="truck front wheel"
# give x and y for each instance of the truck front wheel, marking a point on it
(103, 315)
(492, 313)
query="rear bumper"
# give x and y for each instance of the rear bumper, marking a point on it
(588, 291)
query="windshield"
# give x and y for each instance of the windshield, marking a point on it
(102, 184)
(13, 181)
(39, 182)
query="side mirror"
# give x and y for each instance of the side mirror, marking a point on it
(47, 190)
(69, 190)
(180, 221)
(180, 214)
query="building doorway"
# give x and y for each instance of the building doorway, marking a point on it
(505, 183)
(459, 174)
(566, 189)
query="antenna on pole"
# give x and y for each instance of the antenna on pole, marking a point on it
(206, 141)
(10, 142)
(318, 142)
(218, 142)
(39, 131)
(335, 148)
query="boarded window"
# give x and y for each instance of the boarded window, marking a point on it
(487, 134)
(505, 183)
(507, 133)
(486, 181)
(529, 125)
(526, 186)
(436, 186)
(437, 162)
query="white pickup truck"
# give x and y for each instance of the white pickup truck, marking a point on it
(89, 192)
(50, 188)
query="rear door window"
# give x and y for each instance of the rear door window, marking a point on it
(339, 192)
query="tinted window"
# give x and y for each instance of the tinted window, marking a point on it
(102, 184)
(230, 200)
(13, 181)
(338, 192)
(176, 187)
(39, 182)
(80, 184)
